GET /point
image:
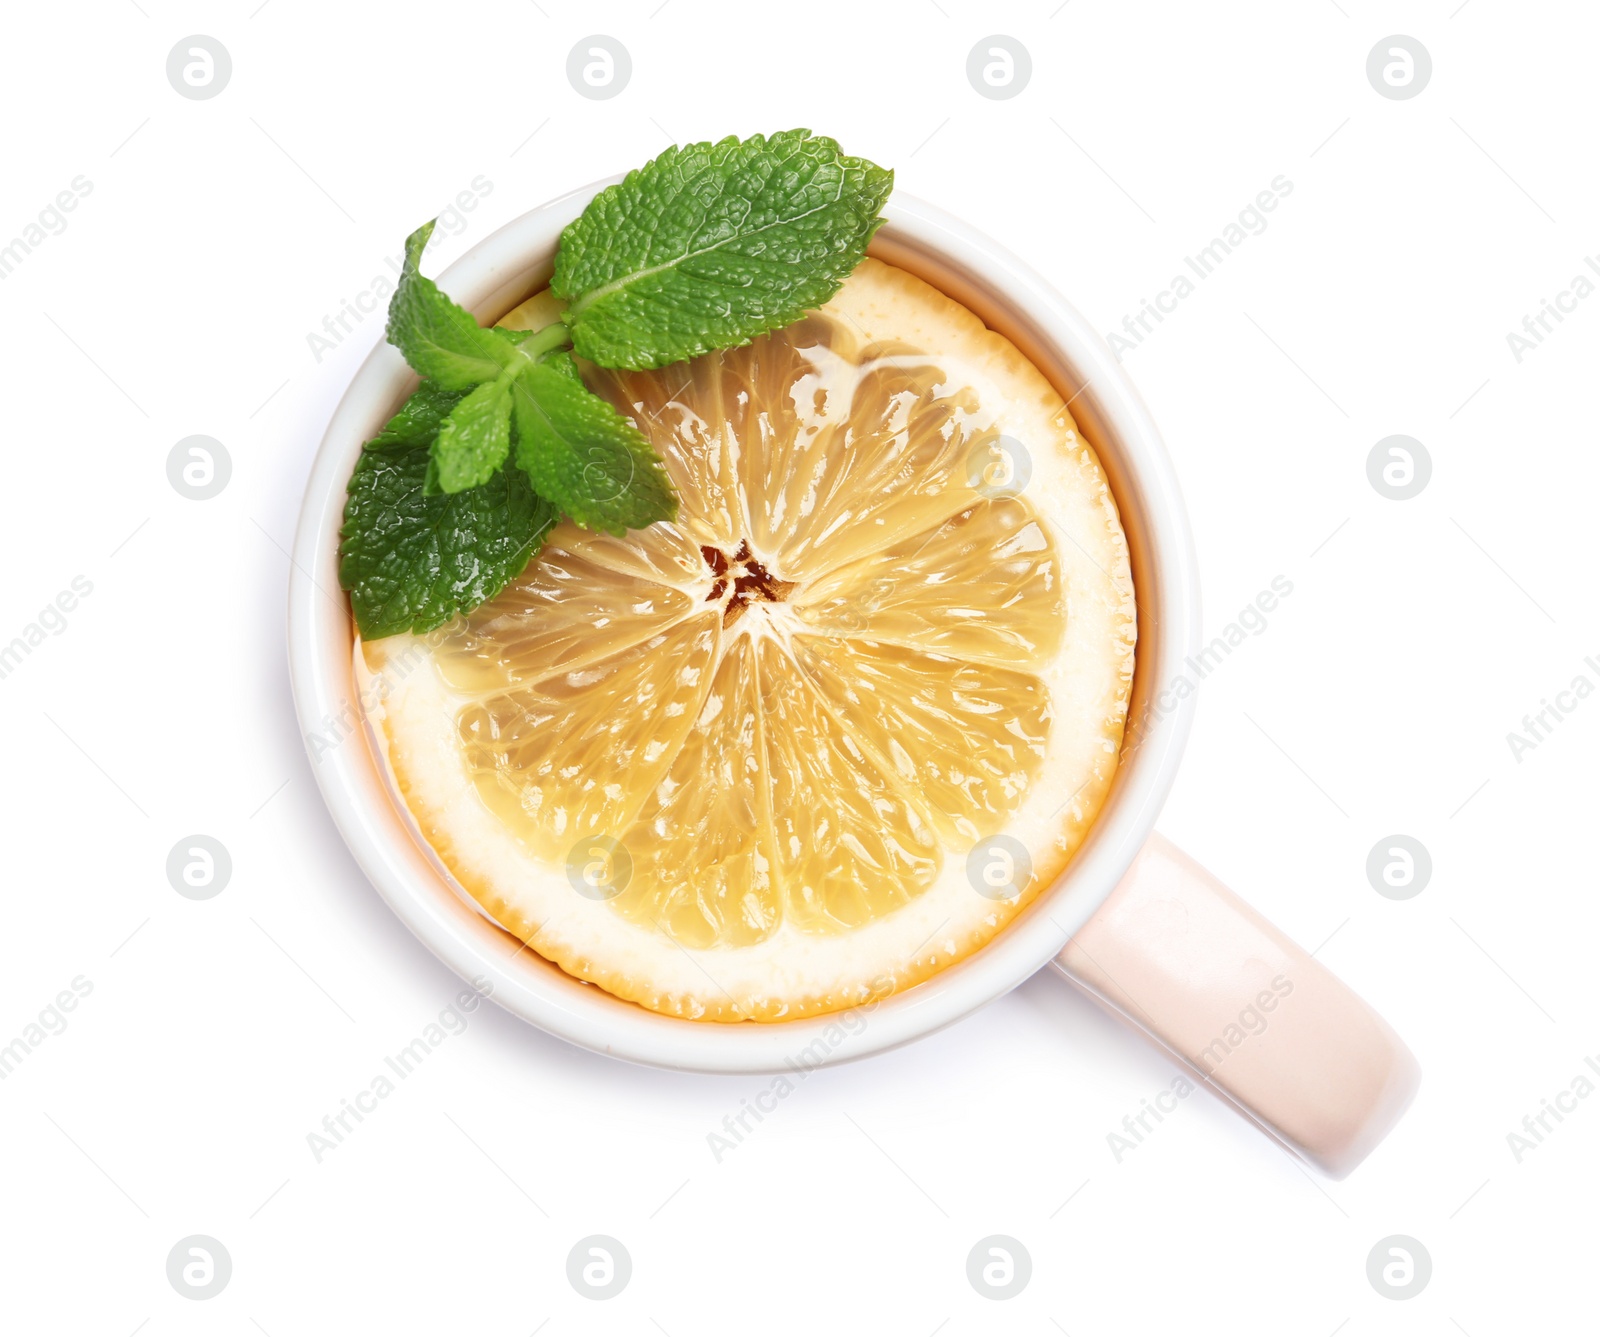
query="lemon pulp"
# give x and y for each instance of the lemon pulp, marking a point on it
(762, 761)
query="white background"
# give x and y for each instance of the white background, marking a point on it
(178, 300)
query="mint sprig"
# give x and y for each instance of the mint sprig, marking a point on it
(705, 247)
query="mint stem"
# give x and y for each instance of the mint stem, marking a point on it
(545, 341)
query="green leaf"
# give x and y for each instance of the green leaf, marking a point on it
(585, 456)
(708, 246)
(440, 339)
(563, 364)
(412, 562)
(475, 439)
(419, 418)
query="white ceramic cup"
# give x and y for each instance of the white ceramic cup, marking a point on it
(1132, 921)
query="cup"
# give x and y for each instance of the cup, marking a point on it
(1133, 922)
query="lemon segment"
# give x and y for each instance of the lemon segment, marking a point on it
(576, 754)
(982, 585)
(969, 738)
(702, 874)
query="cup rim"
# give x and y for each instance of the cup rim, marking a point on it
(490, 279)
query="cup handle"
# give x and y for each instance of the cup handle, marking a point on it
(1250, 1014)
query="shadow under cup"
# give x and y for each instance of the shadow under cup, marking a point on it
(499, 274)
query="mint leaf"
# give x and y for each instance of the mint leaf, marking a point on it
(419, 418)
(440, 339)
(585, 456)
(412, 562)
(708, 246)
(475, 439)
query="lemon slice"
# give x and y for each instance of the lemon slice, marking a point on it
(828, 732)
